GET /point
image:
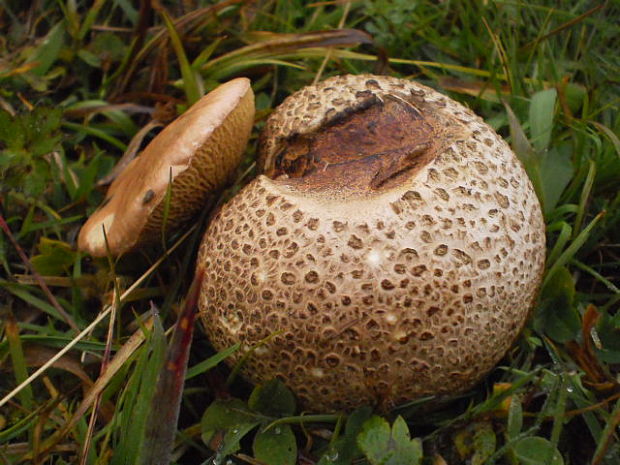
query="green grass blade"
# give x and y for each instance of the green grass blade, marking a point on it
(23, 293)
(90, 18)
(139, 395)
(48, 52)
(583, 200)
(20, 426)
(211, 362)
(612, 136)
(606, 436)
(596, 275)
(95, 132)
(206, 53)
(560, 409)
(55, 341)
(20, 370)
(190, 83)
(560, 242)
(573, 248)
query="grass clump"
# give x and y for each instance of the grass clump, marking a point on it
(78, 81)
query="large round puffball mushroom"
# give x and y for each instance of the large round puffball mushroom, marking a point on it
(391, 251)
(172, 178)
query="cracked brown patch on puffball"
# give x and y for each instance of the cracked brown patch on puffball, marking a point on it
(412, 287)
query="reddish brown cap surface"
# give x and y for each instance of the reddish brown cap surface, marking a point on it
(198, 152)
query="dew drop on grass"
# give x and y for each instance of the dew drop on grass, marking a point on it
(332, 456)
(277, 430)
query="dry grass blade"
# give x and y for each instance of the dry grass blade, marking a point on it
(479, 89)
(281, 44)
(328, 55)
(351, 55)
(104, 366)
(501, 52)
(38, 355)
(130, 153)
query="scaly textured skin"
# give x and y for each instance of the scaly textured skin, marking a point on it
(416, 286)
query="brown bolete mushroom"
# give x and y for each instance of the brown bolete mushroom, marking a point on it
(191, 158)
(392, 250)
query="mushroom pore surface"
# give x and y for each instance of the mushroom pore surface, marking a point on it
(172, 179)
(392, 250)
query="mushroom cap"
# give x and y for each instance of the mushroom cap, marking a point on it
(194, 155)
(396, 253)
